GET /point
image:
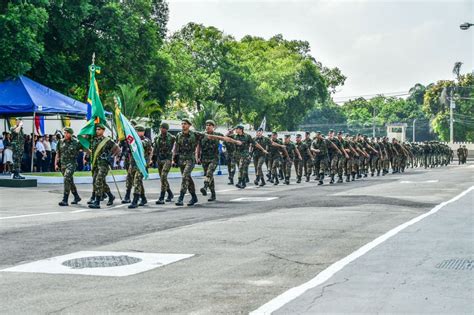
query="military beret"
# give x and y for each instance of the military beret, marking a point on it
(318, 132)
(275, 133)
(239, 127)
(165, 125)
(186, 120)
(307, 132)
(139, 128)
(210, 122)
(287, 136)
(133, 122)
(340, 132)
(298, 135)
(331, 130)
(101, 126)
(260, 129)
(69, 130)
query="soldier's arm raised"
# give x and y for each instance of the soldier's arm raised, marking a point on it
(277, 144)
(258, 146)
(225, 138)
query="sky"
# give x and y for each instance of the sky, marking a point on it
(381, 46)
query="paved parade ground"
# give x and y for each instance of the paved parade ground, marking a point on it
(255, 250)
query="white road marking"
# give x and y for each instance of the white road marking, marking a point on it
(419, 182)
(29, 215)
(54, 265)
(78, 211)
(254, 199)
(327, 273)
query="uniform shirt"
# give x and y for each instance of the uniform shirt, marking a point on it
(163, 146)
(243, 149)
(68, 151)
(264, 142)
(322, 146)
(291, 149)
(210, 147)
(274, 151)
(186, 144)
(104, 155)
(18, 139)
(331, 149)
(303, 148)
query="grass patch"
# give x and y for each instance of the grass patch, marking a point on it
(115, 172)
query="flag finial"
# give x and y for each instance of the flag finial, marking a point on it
(93, 58)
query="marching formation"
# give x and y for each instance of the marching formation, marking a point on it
(338, 157)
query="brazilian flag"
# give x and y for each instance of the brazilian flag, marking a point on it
(95, 109)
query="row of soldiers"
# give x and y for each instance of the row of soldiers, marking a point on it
(462, 154)
(335, 155)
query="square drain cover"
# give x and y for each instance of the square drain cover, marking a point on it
(109, 264)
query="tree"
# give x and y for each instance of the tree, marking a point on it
(136, 102)
(22, 26)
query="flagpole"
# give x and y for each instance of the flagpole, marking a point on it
(33, 140)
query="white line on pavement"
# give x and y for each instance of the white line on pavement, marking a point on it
(29, 215)
(327, 273)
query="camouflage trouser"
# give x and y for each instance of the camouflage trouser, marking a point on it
(365, 164)
(230, 164)
(321, 164)
(243, 165)
(308, 166)
(299, 167)
(137, 181)
(287, 163)
(258, 162)
(186, 167)
(164, 167)
(374, 163)
(341, 166)
(129, 180)
(334, 163)
(68, 173)
(209, 167)
(17, 157)
(99, 179)
(349, 167)
(275, 163)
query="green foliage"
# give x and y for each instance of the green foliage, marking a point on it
(210, 110)
(22, 25)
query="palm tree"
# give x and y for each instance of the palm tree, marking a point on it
(135, 102)
(209, 110)
(457, 69)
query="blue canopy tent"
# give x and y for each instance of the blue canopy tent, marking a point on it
(25, 97)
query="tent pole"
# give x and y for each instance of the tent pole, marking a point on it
(33, 141)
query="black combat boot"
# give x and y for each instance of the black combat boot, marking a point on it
(287, 180)
(280, 175)
(16, 175)
(64, 203)
(111, 199)
(204, 189)
(126, 199)
(262, 182)
(353, 176)
(134, 203)
(213, 195)
(320, 179)
(365, 174)
(194, 199)
(271, 180)
(96, 203)
(180, 199)
(298, 179)
(161, 200)
(247, 179)
(372, 174)
(143, 201)
(91, 201)
(76, 198)
(378, 172)
(269, 176)
(339, 179)
(332, 180)
(276, 182)
(348, 178)
(170, 195)
(239, 184)
(307, 178)
(231, 178)
(257, 180)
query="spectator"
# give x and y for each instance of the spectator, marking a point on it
(26, 163)
(54, 143)
(47, 147)
(7, 154)
(40, 155)
(1, 153)
(80, 160)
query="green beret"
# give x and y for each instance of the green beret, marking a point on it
(186, 120)
(287, 136)
(139, 128)
(210, 122)
(101, 126)
(298, 135)
(239, 127)
(331, 130)
(133, 122)
(69, 130)
(318, 132)
(165, 125)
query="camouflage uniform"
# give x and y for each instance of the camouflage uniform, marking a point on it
(304, 164)
(274, 160)
(288, 162)
(68, 151)
(259, 157)
(334, 157)
(230, 159)
(138, 188)
(209, 161)
(101, 168)
(18, 146)
(321, 158)
(242, 155)
(162, 148)
(374, 159)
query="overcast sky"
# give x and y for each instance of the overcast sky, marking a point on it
(381, 46)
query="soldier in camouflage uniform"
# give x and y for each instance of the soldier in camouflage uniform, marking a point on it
(66, 160)
(275, 151)
(293, 156)
(302, 164)
(209, 157)
(162, 152)
(335, 154)
(320, 149)
(242, 154)
(102, 149)
(18, 146)
(138, 189)
(185, 153)
(259, 157)
(230, 157)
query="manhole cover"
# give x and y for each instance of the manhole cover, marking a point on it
(100, 262)
(456, 264)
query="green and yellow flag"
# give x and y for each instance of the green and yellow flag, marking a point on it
(95, 110)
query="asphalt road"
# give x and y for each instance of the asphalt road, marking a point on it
(246, 252)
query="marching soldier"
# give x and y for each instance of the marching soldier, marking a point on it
(275, 157)
(138, 189)
(335, 154)
(162, 151)
(18, 146)
(66, 161)
(320, 149)
(209, 157)
(102, 149)
(292, 154)
(230, 157)
(305, 152)
(259, 157)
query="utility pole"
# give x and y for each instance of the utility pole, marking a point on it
(373, 123)
(413, 138)
(452, 105)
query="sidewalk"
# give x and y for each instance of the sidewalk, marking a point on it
(426, 268)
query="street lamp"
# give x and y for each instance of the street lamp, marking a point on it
(466, 26)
